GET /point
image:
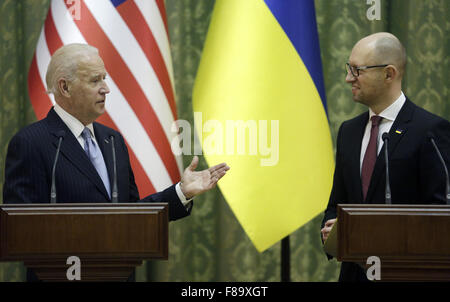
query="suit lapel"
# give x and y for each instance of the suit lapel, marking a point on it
(104, 142)
(400, 124)
(73, 152)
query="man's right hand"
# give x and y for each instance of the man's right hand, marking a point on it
(327, 228)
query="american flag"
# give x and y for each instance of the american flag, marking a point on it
(132, 38)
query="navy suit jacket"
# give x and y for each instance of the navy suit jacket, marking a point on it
(29, 162)
(416, 174)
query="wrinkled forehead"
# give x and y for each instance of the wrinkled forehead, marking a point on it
(91, 66)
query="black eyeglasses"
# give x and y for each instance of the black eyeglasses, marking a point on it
(355, 69)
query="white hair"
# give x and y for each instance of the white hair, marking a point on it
(64, 64)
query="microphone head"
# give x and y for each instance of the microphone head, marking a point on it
(61, 133)
(385, 136)
(430, 135)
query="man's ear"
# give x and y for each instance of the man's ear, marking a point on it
(63, 88)
(391, 73)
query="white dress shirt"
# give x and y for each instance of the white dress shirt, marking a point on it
(389, 115)
(76, 127)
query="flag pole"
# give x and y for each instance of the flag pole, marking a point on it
(285, 260)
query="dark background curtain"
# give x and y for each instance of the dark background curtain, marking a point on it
(210, 245)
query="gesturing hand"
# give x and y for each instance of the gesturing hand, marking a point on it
(327, 228)
(194, 182)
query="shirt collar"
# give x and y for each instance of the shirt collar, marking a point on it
(391, 112)
(75, 126)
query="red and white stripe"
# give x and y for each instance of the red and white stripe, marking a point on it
(133, 42)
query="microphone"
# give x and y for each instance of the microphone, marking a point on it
(61, 135)
(385, 138)
(447, 189)
(114, 193)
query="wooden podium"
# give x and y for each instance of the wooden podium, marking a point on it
(412, 241)
(109, 239)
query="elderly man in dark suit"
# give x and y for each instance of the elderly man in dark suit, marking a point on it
(374, 71)
(76, 76)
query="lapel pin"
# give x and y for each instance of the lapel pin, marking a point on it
(398, 131)
(106, 141)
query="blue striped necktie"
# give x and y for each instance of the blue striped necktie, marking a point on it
(96, 157)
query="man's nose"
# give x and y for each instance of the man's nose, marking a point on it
(349, 78)
(105, 89)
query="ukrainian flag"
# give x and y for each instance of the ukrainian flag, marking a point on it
(261, 66)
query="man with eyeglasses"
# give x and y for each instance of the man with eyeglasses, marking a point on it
(375, 70)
